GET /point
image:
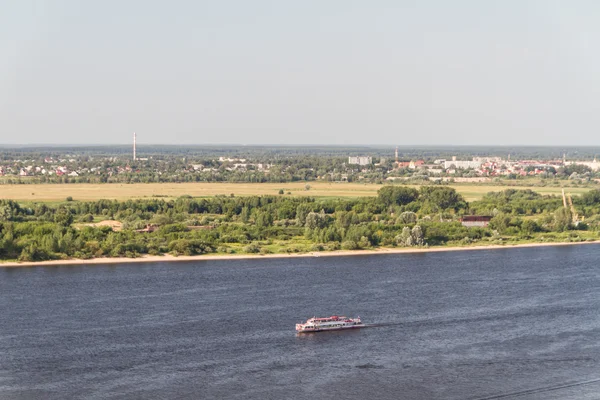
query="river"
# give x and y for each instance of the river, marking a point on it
(492, 324)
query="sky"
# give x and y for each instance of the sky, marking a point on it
(339, 72)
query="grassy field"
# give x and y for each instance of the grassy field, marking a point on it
(88, 192)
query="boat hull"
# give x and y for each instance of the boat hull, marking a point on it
(337, 328)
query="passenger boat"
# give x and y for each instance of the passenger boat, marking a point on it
(333, 323)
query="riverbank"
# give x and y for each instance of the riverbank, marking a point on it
(337, 253)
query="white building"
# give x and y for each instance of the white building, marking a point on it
(462, 164)
(360, 160)
(475, 163)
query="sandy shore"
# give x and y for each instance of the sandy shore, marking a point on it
(338, 253)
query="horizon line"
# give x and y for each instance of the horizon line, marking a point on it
(10, 145)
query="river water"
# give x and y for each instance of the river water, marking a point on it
(494, 324)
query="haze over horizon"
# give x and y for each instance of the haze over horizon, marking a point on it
(336, 73)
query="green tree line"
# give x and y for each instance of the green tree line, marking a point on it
(398, 217)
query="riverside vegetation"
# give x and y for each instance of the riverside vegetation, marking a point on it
(398, 216)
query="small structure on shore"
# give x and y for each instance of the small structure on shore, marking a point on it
(149, 228)
(475, 220)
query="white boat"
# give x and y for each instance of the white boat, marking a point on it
(333, 323)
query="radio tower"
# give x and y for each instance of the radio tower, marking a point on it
(133, 146)
(396, 154)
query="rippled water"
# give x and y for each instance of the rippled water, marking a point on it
(514, 323)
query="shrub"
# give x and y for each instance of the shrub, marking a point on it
(316, 247)
(349, 245)
(189, 247)
(86, 218)
(252, 248)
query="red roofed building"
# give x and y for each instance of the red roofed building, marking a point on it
(475, 220)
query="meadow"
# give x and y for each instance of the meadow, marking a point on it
(91, 192)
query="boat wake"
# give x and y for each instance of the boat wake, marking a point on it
(379, 325)
(540, 390)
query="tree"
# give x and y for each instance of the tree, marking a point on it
(331, 234)
(529, 226)
(562, 219)
(6, 213)
(264, 219)
(405, 238)
(500, 222)
(344, 219)
(161, 219)
(245, 214)
(408, 217)
(579, 169)
(63, 217)
(301, 212)
(591, 198)
(364, 242)
(441, 198)
(316, 220)
(417, 236)
(397, 195)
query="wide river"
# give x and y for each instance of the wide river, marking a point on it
(494, 324)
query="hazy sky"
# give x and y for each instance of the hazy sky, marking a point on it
(300, 72)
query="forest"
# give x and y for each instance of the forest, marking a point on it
(399, 216)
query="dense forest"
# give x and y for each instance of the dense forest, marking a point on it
(399, 216)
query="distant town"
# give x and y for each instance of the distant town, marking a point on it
(272, 164)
